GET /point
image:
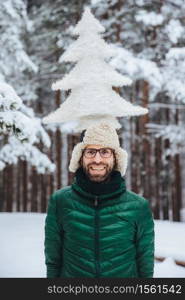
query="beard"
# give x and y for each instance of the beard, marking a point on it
(104, 176)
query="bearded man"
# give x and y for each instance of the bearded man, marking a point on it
(96, 227)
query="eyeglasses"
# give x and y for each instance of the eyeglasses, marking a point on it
(104, 152)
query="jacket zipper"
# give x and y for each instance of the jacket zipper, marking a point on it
(97, 262)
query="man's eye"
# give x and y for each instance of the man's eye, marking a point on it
(105, 151)
(90, 151)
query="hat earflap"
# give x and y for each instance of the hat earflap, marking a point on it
(122, 160)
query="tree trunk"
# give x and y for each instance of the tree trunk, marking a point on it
(65, 163)
(58, 158)
(58, 146)
(3, 192)
(178, 189)
(70, 149)
(34, 181)
(25, 185)
(9, 188)
(18, 187)
(145, 145)
(44, 188)
(157, 176)
(167, 180)
(135, 159)
(51, 156)
(177, 181)
(166, 183)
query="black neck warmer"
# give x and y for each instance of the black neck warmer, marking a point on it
(114, 183)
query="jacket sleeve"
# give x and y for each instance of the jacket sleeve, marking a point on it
(145, 242)
(53, 241)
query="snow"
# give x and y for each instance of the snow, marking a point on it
(173, 67)
(169, 269)
(169, 240)
(149, 18)
(22, 246)
(13, 150)
(8, 97)
(174, 30)
(174, 133)
(23, 130)
(14, 60)
(136, 67)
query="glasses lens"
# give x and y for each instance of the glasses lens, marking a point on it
(89, 153)
(105, 152)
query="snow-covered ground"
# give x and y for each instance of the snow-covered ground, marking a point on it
(22, 246)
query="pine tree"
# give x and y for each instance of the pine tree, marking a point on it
(19, 129)
(16, 66)
(24, 131)
(52, 22)
(11, 119)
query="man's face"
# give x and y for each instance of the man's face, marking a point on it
(98, 168)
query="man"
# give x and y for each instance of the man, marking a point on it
(96, 227)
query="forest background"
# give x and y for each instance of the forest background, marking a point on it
(149, 37)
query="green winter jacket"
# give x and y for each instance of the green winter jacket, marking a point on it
(110, 235)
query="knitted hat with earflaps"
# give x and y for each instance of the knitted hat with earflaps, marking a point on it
(104, 135)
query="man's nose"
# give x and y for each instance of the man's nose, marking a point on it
(97, 157)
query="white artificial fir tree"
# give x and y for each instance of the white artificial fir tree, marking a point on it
(91, 80)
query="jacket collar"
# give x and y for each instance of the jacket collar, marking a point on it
(104, 194)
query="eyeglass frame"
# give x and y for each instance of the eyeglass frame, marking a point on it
(98, 150)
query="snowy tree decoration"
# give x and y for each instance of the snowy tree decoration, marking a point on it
(91, 80)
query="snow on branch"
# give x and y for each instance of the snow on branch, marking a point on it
(174, 30)
(9, 100)
(149, 18)
(26, 128)
(173, 71)
(174, 133)
(138, 68)
(10, 153)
